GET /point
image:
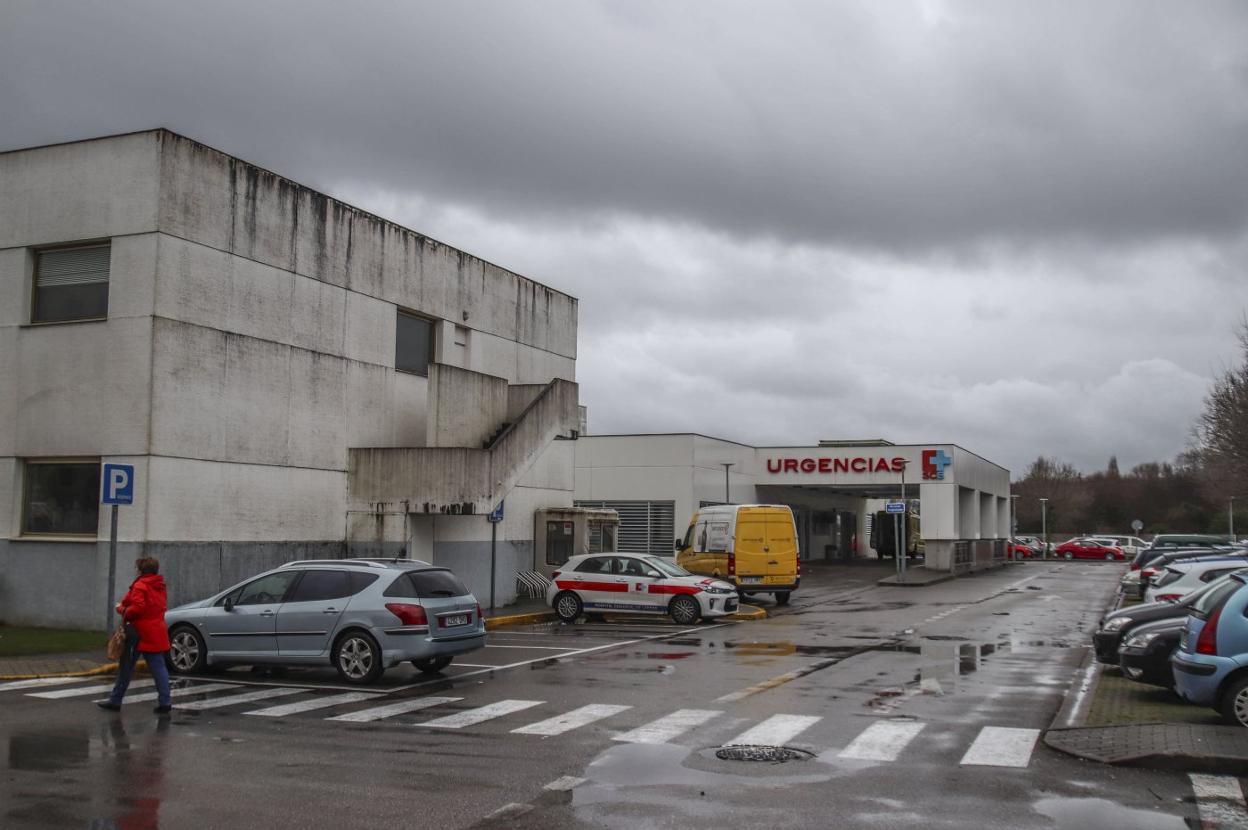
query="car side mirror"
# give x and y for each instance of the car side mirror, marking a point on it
(680, 543)
(228, 604)
(654, 575)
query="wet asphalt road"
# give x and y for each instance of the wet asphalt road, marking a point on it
(620, 723)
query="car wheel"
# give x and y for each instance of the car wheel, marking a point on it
(568, 606)
(432, 665)
(1109, 557)
(1068, 555)
(187, 652)
(357, 657)
(782, 597)
(1234, 702)
(684, 610)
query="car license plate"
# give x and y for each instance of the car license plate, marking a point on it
(454, 619)
(751, 580)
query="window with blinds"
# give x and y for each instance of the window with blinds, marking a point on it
(71, 284)
(645, 526)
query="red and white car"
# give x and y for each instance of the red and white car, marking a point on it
(635, 583)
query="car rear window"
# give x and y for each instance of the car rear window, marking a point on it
(432, 584)
(1215, 597)
(1169, 576)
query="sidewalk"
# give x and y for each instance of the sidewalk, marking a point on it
(53, 665)
(1114, 720)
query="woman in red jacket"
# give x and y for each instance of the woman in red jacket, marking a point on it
(143, 609)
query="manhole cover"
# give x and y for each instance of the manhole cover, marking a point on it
(769, 754)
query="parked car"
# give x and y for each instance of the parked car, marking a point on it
(1116, 625)
(1211, 664)
(1144, 655)
(1158, 565)
(637, 584)
(1186, 575)
(1021, 551)
(1170, 544)
(1089, 548)
(361, 616)
(1131, 545)
(1036, 545)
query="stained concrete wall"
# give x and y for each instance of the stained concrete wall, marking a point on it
(249, 342)
(466, 408)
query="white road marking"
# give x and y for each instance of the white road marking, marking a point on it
(472, 717)
(230, 700)
(700, 629)
(1001, 746)
(87, 690)
(512, 810)
(392, 709)
(36, 682)
(564, 784)
(473, 665)
(777, 730)
(180, 691)
(535, 648)
(882, 741)
(1220, 800)
(571, 720)
(668, 727)
(308, 705)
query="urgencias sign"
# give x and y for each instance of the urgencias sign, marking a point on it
(836, 465)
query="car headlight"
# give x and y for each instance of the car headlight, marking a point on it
(1141, 640)
(718, 589)
(1116, 624)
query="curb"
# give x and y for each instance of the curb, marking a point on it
(755, 613)
(1078, 698)
(518, 619)
(103, 668)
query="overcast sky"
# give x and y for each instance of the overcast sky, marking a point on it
(1017, 226)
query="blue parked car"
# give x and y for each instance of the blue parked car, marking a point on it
(1211, 664)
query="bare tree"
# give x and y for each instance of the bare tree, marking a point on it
(1221, 434)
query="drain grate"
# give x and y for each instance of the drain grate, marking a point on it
(767, 754)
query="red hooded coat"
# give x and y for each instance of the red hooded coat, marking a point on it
(144, 608)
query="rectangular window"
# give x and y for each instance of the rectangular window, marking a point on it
(71, 284)
(61, 498)
(413, 343)
(645, 526)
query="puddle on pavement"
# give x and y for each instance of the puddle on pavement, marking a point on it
(1101, 812)
(48, 752)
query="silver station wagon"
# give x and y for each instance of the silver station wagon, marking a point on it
(362, 616)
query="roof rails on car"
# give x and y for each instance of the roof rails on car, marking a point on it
(369, 562)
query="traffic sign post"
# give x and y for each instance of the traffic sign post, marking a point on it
(118, 488)
(895, 507)
(496, 516)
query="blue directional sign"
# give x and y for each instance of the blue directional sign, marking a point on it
(118, 480)
(895, 507)
(496, 515)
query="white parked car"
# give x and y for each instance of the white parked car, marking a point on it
(635, 583)
(1181, 578)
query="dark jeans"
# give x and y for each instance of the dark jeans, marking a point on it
(155, 664)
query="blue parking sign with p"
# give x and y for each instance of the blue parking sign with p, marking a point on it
(118, 484)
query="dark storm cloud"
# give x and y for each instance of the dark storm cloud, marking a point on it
(871, 124)
(1021, 226)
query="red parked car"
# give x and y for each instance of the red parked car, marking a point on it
(1020, 551)
(1087, 548)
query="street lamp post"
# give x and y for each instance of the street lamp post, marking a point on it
(1013, 521)
(726, 465)
(1230, 517)
(905, 519)
(1044, 525)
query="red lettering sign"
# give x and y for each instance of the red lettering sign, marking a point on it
(808, 465)
(825, 465)
(841, 465)
(858, 465)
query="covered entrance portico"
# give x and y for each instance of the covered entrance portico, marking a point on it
(833, 489)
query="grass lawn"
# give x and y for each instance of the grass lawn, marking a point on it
(1120, 701)
(16, 641)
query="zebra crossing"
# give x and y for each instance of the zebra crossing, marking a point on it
(882, 741)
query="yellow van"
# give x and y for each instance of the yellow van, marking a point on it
(754, 546)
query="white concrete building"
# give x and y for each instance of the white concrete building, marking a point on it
(656, 482)
(290, 376)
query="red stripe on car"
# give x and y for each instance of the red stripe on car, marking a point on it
(674, 589)
(584, 585)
